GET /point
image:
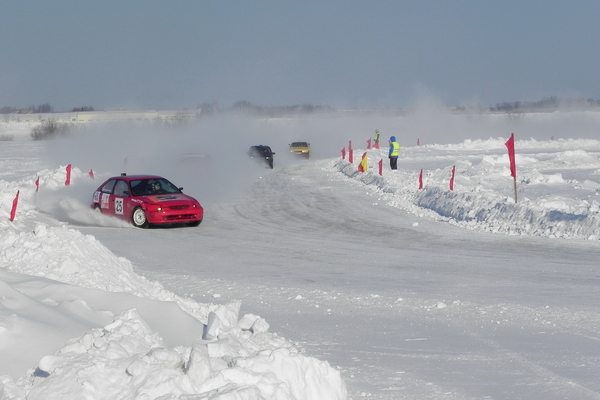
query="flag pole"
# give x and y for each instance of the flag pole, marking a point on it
(510, 145)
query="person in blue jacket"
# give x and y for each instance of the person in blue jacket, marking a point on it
(394, 152)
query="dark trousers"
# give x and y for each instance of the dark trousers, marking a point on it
(394, 162)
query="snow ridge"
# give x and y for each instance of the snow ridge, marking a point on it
(126, 324)
(548, 205)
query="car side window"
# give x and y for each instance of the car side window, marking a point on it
(138, 187)
(108, 188)
(121, 189)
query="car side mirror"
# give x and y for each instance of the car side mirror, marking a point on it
(181, 189)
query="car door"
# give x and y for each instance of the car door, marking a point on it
(120, 199)
(106, 203)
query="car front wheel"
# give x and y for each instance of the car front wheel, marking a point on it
(139, 218)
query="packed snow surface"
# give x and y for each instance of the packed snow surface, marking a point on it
(312, 280)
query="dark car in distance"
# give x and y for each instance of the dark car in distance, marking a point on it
(262, 153)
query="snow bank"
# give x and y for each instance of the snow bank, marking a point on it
(138, 364)
(93, 328)
(548, 204)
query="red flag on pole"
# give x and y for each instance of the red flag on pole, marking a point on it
(418, 142)
(351, 156)
(68, 180)
(91, 173)
(380, 167)
(376, 145)
(421, 180)
(369, 144)
(13, 211)
(344, 153)
(362, 167)
(37, 184)
(510, 144)
(452, 178)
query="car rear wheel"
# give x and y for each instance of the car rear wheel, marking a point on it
(139, 218)
(97, 208)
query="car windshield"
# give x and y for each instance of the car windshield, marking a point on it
(153, 186)
(265, 151)
(299, 144)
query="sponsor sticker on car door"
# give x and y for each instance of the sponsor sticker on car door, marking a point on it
(105, 198)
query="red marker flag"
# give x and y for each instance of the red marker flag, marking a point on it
(344, 153)
(68, 180)
(421, 180)
(37, 184)
(91, 173)
(452, 178)
(369, 144)
(350, 145)
(510, 144)
(13, 211)
(376, 145)
(380, 167)
(362, 167)
(351, 156)
(418, 142)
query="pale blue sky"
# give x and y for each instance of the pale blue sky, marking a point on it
(180, 53)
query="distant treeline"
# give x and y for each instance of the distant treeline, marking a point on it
(203, 109)
(41, 109)
(547, 104)
(270, 111)
(278, 110)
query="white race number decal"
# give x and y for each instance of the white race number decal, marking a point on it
(119, 206)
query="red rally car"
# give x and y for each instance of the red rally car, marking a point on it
(146, 199)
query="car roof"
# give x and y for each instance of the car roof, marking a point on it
(260, 146)
(136, 177)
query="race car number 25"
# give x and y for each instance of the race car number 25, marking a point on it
(119, 206)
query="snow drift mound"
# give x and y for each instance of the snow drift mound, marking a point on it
(482, 197)
(126, 337)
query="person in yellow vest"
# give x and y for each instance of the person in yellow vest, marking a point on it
(376, 136)
(394, 152)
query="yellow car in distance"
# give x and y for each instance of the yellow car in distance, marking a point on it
(300, 149)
